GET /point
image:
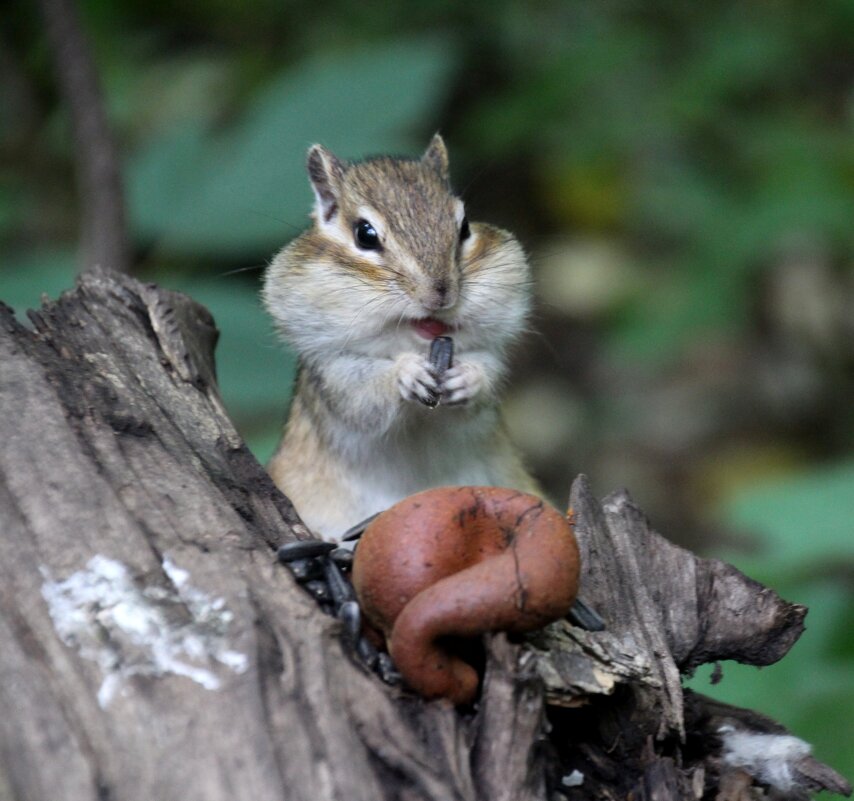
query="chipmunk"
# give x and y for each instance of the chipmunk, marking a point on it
(389, 263)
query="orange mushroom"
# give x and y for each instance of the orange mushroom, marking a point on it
(456, 562)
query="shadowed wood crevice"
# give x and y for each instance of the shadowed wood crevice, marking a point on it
(152, 647)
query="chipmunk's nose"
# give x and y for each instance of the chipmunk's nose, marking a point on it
(441, 295)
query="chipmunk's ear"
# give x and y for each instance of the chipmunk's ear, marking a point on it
(325, 172)
(436, 156)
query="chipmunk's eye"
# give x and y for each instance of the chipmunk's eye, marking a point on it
(465, 231)
(366, 235)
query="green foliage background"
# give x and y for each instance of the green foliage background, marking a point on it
(683, 175)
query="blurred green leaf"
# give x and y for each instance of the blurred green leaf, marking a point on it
(735, 56)
(801, 522)
(25, 277)
(245, 189)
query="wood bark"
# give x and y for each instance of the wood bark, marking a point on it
(153, 649)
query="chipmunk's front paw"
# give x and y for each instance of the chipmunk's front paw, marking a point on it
(416, 380)
(461, 383)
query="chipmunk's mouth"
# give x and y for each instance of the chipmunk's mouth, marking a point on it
(430, 328)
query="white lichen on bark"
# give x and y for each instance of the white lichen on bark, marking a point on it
(128, 630)
(771, 758)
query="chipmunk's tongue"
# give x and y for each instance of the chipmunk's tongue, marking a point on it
(430, 328)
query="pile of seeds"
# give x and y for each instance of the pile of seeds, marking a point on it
(322, 569)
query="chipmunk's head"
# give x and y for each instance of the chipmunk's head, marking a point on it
(391, 260)
(397, 222)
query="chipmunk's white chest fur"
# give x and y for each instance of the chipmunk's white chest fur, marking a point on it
(425, 448)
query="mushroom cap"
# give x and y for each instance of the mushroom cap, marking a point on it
(457, 562)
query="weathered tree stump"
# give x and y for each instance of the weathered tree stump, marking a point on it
(153, 649)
